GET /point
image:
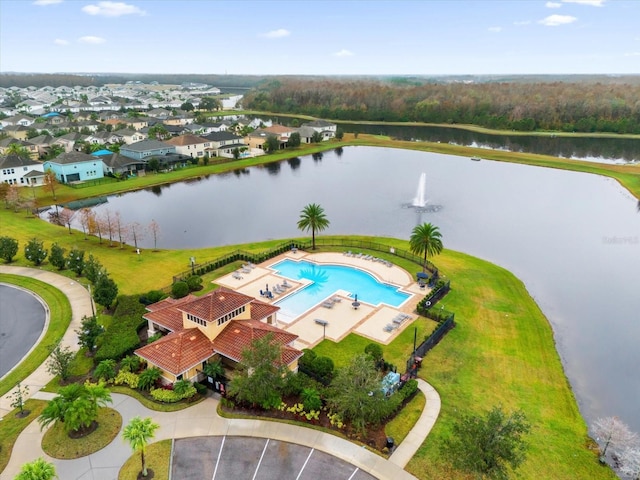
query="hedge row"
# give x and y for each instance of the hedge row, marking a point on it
(121, 338)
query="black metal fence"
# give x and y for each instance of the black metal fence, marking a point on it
(259, 257)
(431, 341)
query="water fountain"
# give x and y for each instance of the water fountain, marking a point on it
(420, 201)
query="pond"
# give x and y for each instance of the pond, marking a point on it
(573, 238)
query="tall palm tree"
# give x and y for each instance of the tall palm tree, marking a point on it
(138, 432)
(16, 148)
(313, 218)
(39, 469)
(425, 239)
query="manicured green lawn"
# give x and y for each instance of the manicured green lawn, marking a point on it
(60, 312)
(11, 427)
(158, 458)
(400, 426)
(57, 444)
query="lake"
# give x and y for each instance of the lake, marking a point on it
(573, 238)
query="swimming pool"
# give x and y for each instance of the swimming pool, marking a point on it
(326, 280)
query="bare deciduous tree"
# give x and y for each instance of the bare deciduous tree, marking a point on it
(136, 232)
(121, 229)
(85, 216)
(613, 432)
(154, 228)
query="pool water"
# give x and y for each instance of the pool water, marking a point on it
(326, 280)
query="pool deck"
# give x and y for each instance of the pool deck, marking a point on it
(342, 318)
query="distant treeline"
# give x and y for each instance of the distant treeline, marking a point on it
(559, 106)
(39, 80)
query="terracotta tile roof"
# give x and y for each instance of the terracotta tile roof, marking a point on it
(178, 351)
(216, 304)
(166, 314)
(261, 310)
(239, 334)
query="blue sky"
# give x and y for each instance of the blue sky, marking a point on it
(349, 37)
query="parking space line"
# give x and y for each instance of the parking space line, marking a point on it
(305, 464)
(260, 461)
(218, 459)
(353, 474)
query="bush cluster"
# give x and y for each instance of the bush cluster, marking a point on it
(121, 338)
(173, 396)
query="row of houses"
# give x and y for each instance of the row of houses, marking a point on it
(136, 95)
(133, 156)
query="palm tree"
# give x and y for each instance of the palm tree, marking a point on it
(313, 218)
(39, 469)
(425, 239)
(15, 148)
(138, 432)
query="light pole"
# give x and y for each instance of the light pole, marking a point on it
(93, 310)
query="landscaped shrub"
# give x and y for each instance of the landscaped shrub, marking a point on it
(148, 378)
(130, 363)
(154, 337)
(121, 338)
(117, 342)
(374, 351)
(409, 388)
(311, 399)
(171, 396)
(127, 378)
(152, 296)
(200, 388)
(179, 289)
(307, 359)
(182, 386)
(106, 370)
(195, 283)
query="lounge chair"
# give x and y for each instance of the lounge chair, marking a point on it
(285, 284)
(389, 327)
(236, 275)
(336, 299)
(327, 304)
(251, 265)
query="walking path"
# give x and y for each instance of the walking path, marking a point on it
(199, 420)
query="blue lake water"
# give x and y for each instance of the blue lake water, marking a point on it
(326, 280)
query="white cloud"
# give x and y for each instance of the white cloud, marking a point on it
(60, 41)
(344, 53)
(495, 29)
(90, 39)
(112, 9)
(632, 54)
(522, 22)
(46, 2)
(593, 3)
(556, 20)
(553, 5)
(280, 33)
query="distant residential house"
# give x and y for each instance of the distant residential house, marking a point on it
(224, 143)
(115, 163)
(16, 131)
(179, 120)
(214, 127)
(306, 134)
(68, 141)
(190, 145)
(129, 136)
(194, 129)
(23, 120)
(75, 167)
(90, 125)
(159, 113)
(137, 123)
(105, 138)
(257, 138)
(217, 326)
(324, 128)
(33, 149)
(116, 122)
(147, 149)
(42, 143)
(21, 171)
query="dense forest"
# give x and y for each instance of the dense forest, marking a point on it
(559, 106)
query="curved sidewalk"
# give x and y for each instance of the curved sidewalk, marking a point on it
(203, 420)
(80, 306)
